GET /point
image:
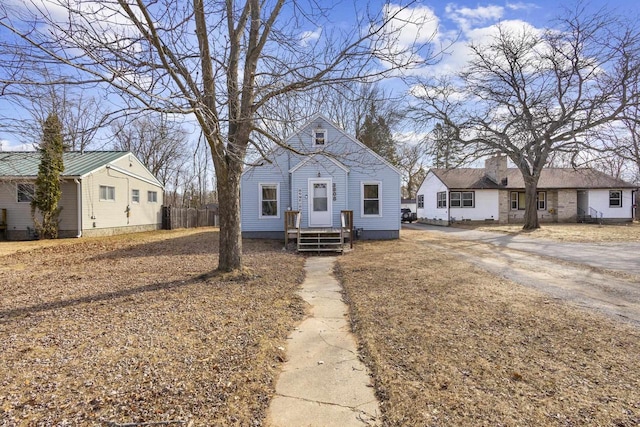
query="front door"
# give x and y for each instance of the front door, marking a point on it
(320, 203)
(583, 203)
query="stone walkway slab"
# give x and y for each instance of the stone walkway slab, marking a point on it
(323, 382)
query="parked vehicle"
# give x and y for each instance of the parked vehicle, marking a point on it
(407, 215)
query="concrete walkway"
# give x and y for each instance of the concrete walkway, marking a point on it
(323, 382)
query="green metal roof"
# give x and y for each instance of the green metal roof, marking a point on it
(76, 164)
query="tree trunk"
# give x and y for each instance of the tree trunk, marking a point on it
(230, 248)
(531, 221)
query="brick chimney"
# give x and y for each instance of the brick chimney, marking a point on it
(495, 168)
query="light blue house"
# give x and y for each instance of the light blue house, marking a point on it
(324, 174)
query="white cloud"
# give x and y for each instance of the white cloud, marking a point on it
(405, 31)
(308, 37)
(467, 18)
(6, 145)
(522, 6)
(418, 24)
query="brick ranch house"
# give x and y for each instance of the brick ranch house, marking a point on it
(496, 193)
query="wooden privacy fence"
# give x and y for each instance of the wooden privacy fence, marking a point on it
(173, 217)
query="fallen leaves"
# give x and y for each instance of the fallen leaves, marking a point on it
(124, 330)
(449, 344)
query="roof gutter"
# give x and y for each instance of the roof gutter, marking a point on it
(126, 172)
(79, 193)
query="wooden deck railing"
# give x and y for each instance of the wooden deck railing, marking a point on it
(291, 225)
(346, 226)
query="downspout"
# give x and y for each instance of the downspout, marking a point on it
(79, 193)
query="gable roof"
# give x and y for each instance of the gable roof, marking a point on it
(322, 156)
(24, 164)
(551, 178)
(315, 118)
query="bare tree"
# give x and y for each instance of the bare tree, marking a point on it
(158, 143)
(244, 56)
(411, 161)
(529, 94)
(81, 115)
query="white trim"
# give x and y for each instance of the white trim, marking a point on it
(380, 198)
(314, 138)
(329, 182)
(149, 192)
(106, 199)
(125, 172)
(277, 185)
(309, 158)
(33, 193)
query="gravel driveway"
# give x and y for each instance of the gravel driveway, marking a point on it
(604, 276)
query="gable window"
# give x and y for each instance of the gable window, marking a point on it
(518, 200)
(26, 192)
(269, 200)
(420, 201)
(371, 198)
(319, 137)
(107, 193)
(442, 199)
(462, 199)
(615, 199)
(152, 196)
(135, 196)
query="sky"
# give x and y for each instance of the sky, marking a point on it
(453, 23)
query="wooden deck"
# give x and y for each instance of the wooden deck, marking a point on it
(320, 239)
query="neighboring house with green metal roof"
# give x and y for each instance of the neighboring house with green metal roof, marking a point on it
(103, 193)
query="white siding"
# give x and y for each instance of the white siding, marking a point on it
(599, 200)
(19, 214)
(429, 188)
(486, 203)
(100, 214)
(486, 207)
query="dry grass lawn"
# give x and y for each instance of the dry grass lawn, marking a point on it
(593, 233)
(451, 345)
(134, 329)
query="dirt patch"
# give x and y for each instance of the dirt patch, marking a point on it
(136, 328)
(627, 232)
(450, 344)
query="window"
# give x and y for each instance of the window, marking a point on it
(135, 196)
(152, 196)
(518, 200)
(107, 193)
(269, 200)
(319, 137)
(371, 198)
(462, 199)
(442, 199)
(420, 201)
(541, 200)
(615, 199)
(26, 192)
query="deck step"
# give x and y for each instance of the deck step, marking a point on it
(320, 240)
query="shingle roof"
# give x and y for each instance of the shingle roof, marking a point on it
(551, 178)
(76, 164)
